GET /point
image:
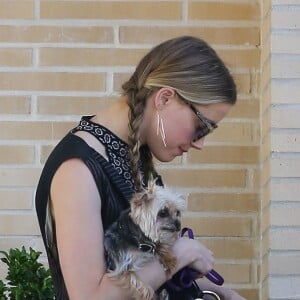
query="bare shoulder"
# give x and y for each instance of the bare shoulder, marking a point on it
(73, 187)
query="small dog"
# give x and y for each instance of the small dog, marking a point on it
(148, 230)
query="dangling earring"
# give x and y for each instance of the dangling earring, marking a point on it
(160, 129)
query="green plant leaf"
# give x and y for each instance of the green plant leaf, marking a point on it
(26, 277)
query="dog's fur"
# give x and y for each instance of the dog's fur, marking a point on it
(148, 230)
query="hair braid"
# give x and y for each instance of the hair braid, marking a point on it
(136, 102)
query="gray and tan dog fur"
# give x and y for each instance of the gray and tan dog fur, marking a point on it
(145, 232)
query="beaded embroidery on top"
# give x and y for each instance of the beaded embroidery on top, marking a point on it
(116, 149)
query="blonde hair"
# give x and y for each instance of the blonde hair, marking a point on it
(189, 66)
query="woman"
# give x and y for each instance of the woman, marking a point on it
(177, 95)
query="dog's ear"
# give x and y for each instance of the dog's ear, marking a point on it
(151, 185)
(140, 198)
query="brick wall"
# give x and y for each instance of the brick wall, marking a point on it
(285, 235)
(62, 59)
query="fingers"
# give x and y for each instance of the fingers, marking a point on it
(195, 255)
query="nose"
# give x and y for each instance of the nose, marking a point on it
(177, 225)
(198, 144)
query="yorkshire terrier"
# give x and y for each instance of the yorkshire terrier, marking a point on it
(146, 231)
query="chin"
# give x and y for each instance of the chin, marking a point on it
(165, 157)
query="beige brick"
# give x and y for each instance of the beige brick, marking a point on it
(243, 58)
(3, 271)
(14, 9)
(252, 294)
(110, 10)
(158, 34)
(266, 195)
(25, 177)
(118, 80)
(52, 81)
(204, 178)
(264, 269)
(265, 289)
(266, 95)
(223, 202)
(15, 57)
(265, 172)
(14, 105)
(55, 34)
(16, 242)
(223, 11)
(16, 199)
(219, 226)
(245, 109)
(13, 130)
(225, 248)
(45, 152)
(239, 132)
(225, 154)
(60, 129)
(243, 83)
(265, 243)
(19, 224)
(90, 57)
(16, 154)
(69, 105)
(266, 75)
(235, 273)
(265, 220)
(256, 179)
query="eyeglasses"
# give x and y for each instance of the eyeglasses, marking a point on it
(207, 126)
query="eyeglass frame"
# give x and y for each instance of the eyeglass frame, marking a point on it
(210, 125)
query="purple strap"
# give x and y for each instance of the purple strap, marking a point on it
(188, 275)
(185, 277)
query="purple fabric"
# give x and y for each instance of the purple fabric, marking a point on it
(185, 277)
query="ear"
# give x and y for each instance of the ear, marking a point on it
(151, 186)
(163, 97)
(139, 198)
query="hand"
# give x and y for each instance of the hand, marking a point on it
(193, 254)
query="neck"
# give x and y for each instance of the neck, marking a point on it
(115, 118)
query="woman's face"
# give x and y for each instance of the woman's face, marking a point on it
(181, 124)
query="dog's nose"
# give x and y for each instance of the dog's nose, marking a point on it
(177, 225)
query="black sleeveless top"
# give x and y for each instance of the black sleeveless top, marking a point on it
(113, 179)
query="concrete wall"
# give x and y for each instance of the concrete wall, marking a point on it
(285, 234)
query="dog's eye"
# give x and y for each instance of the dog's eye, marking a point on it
(163, 213)
(178, 213)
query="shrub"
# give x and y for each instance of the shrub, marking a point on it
(26, 277)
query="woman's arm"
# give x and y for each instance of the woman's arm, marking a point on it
(79, 231)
